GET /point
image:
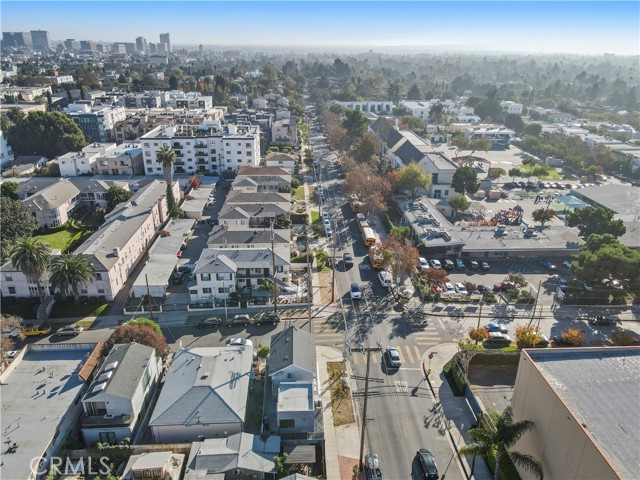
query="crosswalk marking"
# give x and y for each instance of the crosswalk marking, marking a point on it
(418, 354)
(409, 354)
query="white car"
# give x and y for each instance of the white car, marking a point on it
(385, 279)
(240, 342)
(460, 288)
(393, 357)
(423, 263)
(355, 292)
(11, 333)
(449, 287)
(566, 264)
(325, 216)
(435, 264)
(328, 230)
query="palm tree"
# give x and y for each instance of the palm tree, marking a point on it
(498, 441)
(166, 157)
(32, 258)
(70, 271)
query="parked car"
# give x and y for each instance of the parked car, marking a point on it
(210, 322)
(548, 265)
(267, 317)
(543, 342)
(603, 320)
(460, 264)
(566, 264)
(423, 263)
(495, 327)
(461, 289)
(587, 288)
(70, 331)
(435, 264)
(328, 230)
(187, 268)
(474, 265)
(11, 333)
(558, 340)
(241, 318)
(240, 342)
(449, 287)
(372, 467)
(36, 330)
(484, 288)
(385, 279)
(393, 357)
(347, 259)
(485, 266)
(428, 464)
(563, 284)
(449, 265)
(497, 339)
(178, 278)
(325, 216)
(355, 292)
(502, 286)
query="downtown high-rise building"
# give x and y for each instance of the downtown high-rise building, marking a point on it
(40, 40)
(16, 40)
(141, 45)
(166, 39)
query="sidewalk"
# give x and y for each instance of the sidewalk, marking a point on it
(341, 443)
(456, 409)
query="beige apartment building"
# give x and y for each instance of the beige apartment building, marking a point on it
(584, 404)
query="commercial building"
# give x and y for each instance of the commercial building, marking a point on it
(40, 40)
(204, 395)
(584, 406)
(206, 148)
(16, 40)
(41, 392)
(97, 122)
(165, 39)
(120, 394)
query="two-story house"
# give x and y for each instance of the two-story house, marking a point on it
(120, 394)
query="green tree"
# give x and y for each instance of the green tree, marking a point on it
(603, 257)
(355, 123)
(518, 279)
(480, 144)
(540, 171)
(173, 82)
(364, 148)
(465, 180)
(146, 322)
(514, 122)
(413, 178)
(68, 272)
(459, 203)
(46, 133)
(409, 122)
(533, 129)
(498, 442)
(32, 257)
(598, 220)
(167, 157)
(460, 141)
(144, 334)
(270, 73)
(436, 113)
(515, 172)
(17, 222)
(414, 93)
(543, 215)
(116, 195)
(9, 190)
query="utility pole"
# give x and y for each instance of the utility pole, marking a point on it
(535, 304)
(146, 279)
(309, 295)
(366, 393)
(273, 268)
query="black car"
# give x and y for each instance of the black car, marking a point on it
(210, 322)
(484, 289)
(428, 464)
(603, 320)
(347, 259)
(270, 317)
(178, 278)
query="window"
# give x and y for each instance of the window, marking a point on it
(8, 278)
(100, 289)
(437, 194)
(248, 145)
(239, 152)
(145, 379)
(446, 193)
(206, 290)
(98, 276)
(12, 290)
(224, 290)
(149, 170)
(223, 276)
(205, 277)
(193, 292)
(287, 423)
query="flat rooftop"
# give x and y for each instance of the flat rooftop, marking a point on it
(622, 199)
(600, 386)
(36, 393)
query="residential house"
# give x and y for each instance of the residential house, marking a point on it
(154, 466)
(218, 272)
(285, 161)
(103, 159)
(120, 394)
(241, 455)
(511, 107)
(222, 237)
(189, 100)
(292, 373)
(254, 179)
(285, 132)
(253, 215)
(208, 147)
(204, 395)
(500, 137)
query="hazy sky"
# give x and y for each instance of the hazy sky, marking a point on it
(588, 27)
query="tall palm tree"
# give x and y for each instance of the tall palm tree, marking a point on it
(32, 258)
(166, 157)
(68, 272)
(506, 434)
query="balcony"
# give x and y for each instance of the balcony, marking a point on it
(201, 162)
(178, 146)
(200, 145)
(179, 162)
(241, 276)
(201, 153)
(106, 421)
(179, 154)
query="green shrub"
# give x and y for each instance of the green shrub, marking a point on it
(322, 258)
(146, 322)
(491, 299)
(263, 351)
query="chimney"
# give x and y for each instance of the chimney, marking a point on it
(116, 252)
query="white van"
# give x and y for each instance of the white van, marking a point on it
(385, 279)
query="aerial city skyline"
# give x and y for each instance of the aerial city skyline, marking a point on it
(517, 26)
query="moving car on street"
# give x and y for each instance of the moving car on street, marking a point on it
(355, 292)
(393, 357)
(428, 464)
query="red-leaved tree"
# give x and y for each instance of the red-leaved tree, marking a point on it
(143, 334)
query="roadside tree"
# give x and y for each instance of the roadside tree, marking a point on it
(478, 334)
(17, 222)
(69, 272)
(32, 257)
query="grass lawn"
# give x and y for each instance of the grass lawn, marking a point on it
(66, 309)
(298, 193)
(340, 398)
(551, 173)
(315, 216)
(59, 239)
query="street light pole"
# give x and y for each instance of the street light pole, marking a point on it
(333, 267)
(274, 287)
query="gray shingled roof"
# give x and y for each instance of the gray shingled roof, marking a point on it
(205, 385)
(132, 359)
(214, 261)
(252, 210)
(238, 197)
(409, 153)
(218, 261)
(221, 235)
(292, 347)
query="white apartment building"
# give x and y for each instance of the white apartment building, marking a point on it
(371, 106)
(6, 154)
(208, 147)
(511, 107)
(97, 122)
(103, 159)
(189, 100)
(73, 164)
(465, 117)
(285, 132)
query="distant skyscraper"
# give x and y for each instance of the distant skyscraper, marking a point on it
(165, 38)
(200, 48)
(152, 47)
(141, 45)
(72, 44)
(88, 46)
(16, 39)
(40, 39)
